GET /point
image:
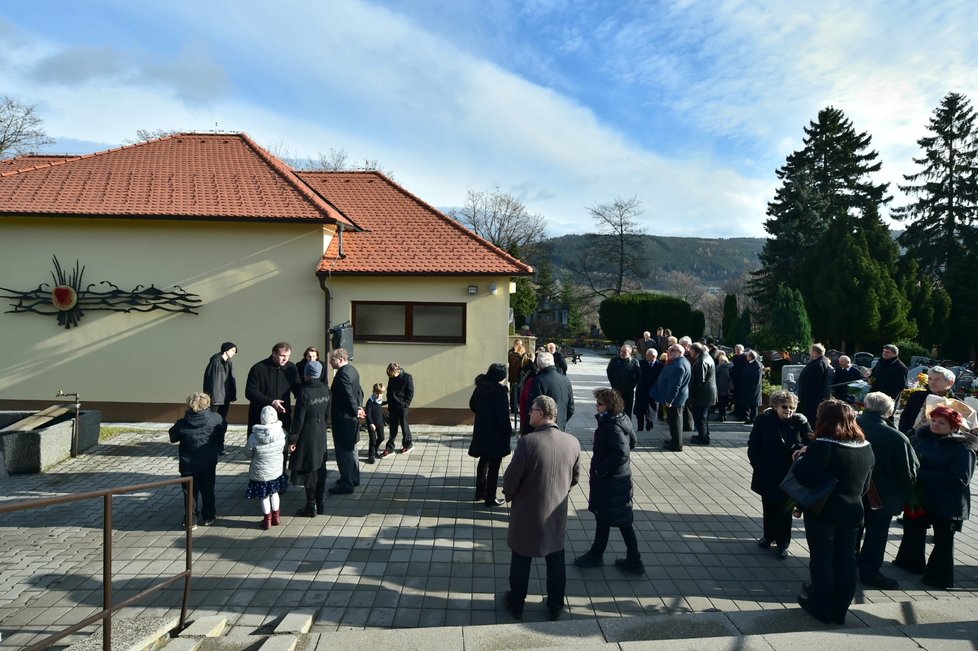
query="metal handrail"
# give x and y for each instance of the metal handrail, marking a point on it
(108, 608)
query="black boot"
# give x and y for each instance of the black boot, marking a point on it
(309, 511)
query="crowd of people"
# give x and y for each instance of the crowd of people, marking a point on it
(863, 469)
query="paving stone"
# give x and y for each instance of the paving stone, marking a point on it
(294, 623)
(209, 626)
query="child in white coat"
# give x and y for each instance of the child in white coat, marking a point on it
(266, 443)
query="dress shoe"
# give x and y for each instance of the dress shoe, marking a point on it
(881, 582)
(630, 565)
(764, 543)
(699, 440)
(930, 583)
(671, 447)
(497, 501)
(806, 604)
(480, 495)
(369, 460)
(320, 507)
(517, 613)
(589, 559)
(906, 566)
(783, 553)
(554, 614)
(308, 511)
(336, 490)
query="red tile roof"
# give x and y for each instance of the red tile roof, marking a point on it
(401, 233)
(189, 176)
(30, 161)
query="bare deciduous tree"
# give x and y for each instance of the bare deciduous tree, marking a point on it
(502, 219)
(611, 263)
(685, 286)
(711, 305)
(142, 135)
(20, 128)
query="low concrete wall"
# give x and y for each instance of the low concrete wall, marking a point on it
(37, 450)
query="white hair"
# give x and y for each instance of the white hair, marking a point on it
(544, 360)
(947, 374)
(879, 402)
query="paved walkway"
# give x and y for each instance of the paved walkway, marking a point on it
(409, 549)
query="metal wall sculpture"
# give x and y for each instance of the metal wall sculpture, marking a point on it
(69, 299)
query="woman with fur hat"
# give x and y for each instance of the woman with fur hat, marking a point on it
(491, 432)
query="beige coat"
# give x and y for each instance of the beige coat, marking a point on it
(537, 482)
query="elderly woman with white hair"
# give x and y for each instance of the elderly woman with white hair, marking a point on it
(893, 478)
(939, 383)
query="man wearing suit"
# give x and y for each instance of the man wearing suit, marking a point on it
(346, 413)
(671, 391)
(702, 392)
(814, 383)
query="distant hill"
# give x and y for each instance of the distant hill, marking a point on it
(712, 260)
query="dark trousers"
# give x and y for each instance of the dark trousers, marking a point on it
(347, 463)
(645, 413)
(487, 478)
(750, 412)
(519, 579)
(687, 417)
(628, 398)
(939, 569)
(399, 420)
(601, 533)
(722, 403)
(832, 566)
(222, 411)
(701, 421)
(777, 521)
(376, 437)
(674, 417)
(874, 534)
(203, 495)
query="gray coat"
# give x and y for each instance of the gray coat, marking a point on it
(538, 482)
(266, 444)
(702, 382)
(896, 462)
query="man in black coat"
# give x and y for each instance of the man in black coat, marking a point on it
(346, 396)
(702, 392)
(890, 374)
(623, 374)
(814, 383)
(272, 381)
(559, 360)
(550, 382)
(220, 383)
(738, 361)
(845, 374)
(400, 393)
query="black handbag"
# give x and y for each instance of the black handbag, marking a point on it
(809, 498)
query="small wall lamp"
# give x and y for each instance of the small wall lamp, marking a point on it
(493, 289)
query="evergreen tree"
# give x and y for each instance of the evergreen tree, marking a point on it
(699, 325)
(930, 306)
(575, 315)
(942, 235)
(728, 326)
(744, 327)
(827, 179)
(523, 301)
(789, 320)
(547, 291)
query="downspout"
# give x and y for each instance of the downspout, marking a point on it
(326, 316)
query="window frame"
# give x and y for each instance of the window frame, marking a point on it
(409, 337)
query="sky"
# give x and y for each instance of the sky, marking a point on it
(690, 106)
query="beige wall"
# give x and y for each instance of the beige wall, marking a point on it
(444, 374)
(258, 287)
(257, 282)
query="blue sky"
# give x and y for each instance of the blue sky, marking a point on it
(690, 106)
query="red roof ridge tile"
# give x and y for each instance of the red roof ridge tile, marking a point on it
(439, 214)
(314, 198)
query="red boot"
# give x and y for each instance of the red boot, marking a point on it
(266, 521)
(276, 517)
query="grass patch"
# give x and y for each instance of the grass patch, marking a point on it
(107, 432)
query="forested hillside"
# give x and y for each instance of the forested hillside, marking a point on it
(712, 260)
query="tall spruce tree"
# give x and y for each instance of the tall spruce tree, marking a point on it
(728, 326)
(827, 179)
(789, 320)
(941, 234)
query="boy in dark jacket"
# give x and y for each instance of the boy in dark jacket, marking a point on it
(375, 421)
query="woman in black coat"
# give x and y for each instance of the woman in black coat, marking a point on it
(491, 432)
(840, 451)
(776, 434)
(307, 442)
(749, 386)
(611, 483)
(947, 463)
